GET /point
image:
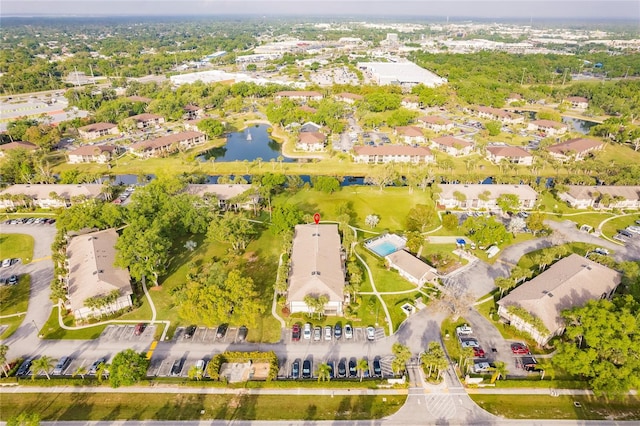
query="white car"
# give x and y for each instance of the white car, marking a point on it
(602, 251)
(471, 343)
(348, 331)
(464, 330)
(371, 333)
(481, 367)
(6, 263)
(634, 229)
(306, 332)
(200, 364)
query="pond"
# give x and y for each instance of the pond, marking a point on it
(250, 144)
(579, 125)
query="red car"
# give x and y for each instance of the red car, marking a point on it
(520, 349)
(295, 332)
(478, 352)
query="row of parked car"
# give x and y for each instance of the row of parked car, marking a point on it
(9, 262)
(12, 280)
(30, 221)
(624, 235)
(341, 369)
(63, 363)
(309, 332)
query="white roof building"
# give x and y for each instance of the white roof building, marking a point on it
(401, 73)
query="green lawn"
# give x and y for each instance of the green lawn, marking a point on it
(385, 279)
(370, 312)
(12, 324)
(561, 407)
(15, 298)
(394, 303)
(95, 406)
(18, 246)
(390, 205)
(51, 329)
(448, 331)
(527, 261)
(592, 219)
(611, 227)
(444, 251)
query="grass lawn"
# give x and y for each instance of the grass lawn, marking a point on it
(391, 205)
(444, 251)
(261, 255)
(92, 406)
(12, 324)
(16, 246)
(482, 254)
(369, 312)
(394, 303)
(448, 331)
(527, 261)
(611, 227)
(385, 279)
(51, 329)
(15, 298)
(592, 219)
(561, 407)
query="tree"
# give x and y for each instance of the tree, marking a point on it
(372, 220)
(450, 222)
(143, 250)
(43, 364)
(535, 222)
(421, 217)
(603, 345)
(232, 228)
(211, 127)
(362, 366)
(102, 371)
(316, 303)
(516, 224)
(500, 371)
(508, 202)
(3, 359)
(80, 371)
(24, 419)
(324, 372)
(381, 176)
(486, 230)
(402, 356)
(328, 184)
(504, 284)
(127, 368)
(494, 128)
(195, 372)
(414, 241)
(519, 274)
(434, 359)
(285, 217)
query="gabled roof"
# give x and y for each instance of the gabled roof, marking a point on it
(577, 99)
(165, 140)
(473, 191)
(497, 112)
(568, 283)
(353, 96)
(434, 119)
(18, 145)
(221, 191)
(192, 108)
(96, 127)
(412, 266)
(452, 142)
(400, 150)
(93, 149)
(42, 191)
(91, 267)
(316, 263)
(145, 117)
(549, 123)
(576, 145)
(508, 151)
(411, 131)
(582, 192)
(311, 138)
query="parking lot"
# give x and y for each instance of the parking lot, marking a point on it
(287, 367)
(127, 333)
(359, 336)
(207, 335)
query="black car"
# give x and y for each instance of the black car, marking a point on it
(337, 331)
(62, 364)
(295, 369)
(342, 368)
(331, 372)
(25, 367)
(306, 369)
(242, 333)
(13, 280)
(191, 330)
(176, 368)
(377, 371)
(94, 367)
(353, 370)
(222, 330)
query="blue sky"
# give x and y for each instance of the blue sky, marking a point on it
(524, 9)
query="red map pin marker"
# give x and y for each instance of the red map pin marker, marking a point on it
(316, 218)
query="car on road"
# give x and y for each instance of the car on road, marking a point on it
(93, 369)
(371, 333)
(342, 368)
(222, 331)
(139, 328)
(464, 330)
(295, 332)
(13, 280)
(190, 331)
(24, 368)
(377, 370)
(176, 368)
(348, 331)
(328, 332)
(242, 333)
(478, 352)
(306, 369)
(6, 263)
(317, 333)
(337, 331)
(295, 369)
(306, 333)
(353, 370)
(520, 349)
(61, 365)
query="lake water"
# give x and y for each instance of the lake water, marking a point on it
(578, 125)
(250, 144)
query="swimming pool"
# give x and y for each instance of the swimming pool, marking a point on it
(385, 245)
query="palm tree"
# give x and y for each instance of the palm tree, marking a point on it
(102, 371)
(80, 371)
(362, 366)
(500, 371)
(3, 359)
(195, 373)
(42, 364)
(465, 356)
(324, 372)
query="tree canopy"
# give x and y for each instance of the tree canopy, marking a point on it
(127, 368)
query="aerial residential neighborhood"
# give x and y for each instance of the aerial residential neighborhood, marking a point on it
(382, 219)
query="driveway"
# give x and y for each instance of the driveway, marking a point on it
(25, 339)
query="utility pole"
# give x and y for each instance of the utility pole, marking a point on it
(522, 79)
(564, 76)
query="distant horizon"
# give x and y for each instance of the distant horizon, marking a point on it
(521, 10)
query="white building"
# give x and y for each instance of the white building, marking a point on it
(405, 74)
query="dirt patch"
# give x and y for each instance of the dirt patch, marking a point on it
(260, 370)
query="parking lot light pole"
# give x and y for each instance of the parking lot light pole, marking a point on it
(37, 329)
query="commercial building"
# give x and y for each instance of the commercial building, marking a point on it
(406, 74)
